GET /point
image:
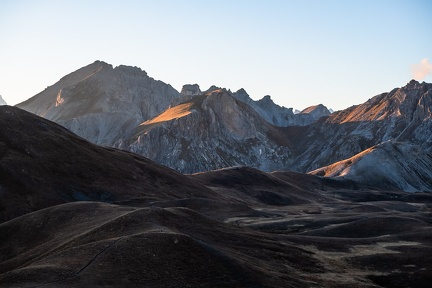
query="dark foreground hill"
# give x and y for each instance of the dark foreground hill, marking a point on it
(43, 164)
(78, 215)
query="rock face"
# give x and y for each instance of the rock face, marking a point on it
(99, 102)
(403, 115)
(190, 90)
(389, 165)
(210, 131)
(316, 112)
(2, 102)
(281, 116)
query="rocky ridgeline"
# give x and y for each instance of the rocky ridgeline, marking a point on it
(196, 131)
(281, 116)
(402, 115)
(220, 131)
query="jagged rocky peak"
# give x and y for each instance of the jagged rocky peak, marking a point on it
(131, 71)
(266, 101)
(414, 100)
(212, 88)
(210, 131)
(280, 115)
(403, 115)
(190, 90)
(2, 102)
(317, 111)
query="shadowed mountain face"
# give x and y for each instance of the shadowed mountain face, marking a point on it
(208, 132)
(236, 227)
(99, 102)
(43, 164)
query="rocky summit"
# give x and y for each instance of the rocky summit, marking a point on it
(2, 102)
(99, 102)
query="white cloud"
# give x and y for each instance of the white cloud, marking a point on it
(422, 69)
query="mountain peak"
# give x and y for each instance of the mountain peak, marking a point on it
(212, 88)
(412, 83)
(190, 90)
(317, 111)
(2, 102)
(266, 99)
(131, 70)
(241, 91)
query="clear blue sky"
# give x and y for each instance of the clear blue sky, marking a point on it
(302, 53)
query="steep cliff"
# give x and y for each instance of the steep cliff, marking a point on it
(210, 131)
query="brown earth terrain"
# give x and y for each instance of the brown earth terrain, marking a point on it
(73, 214)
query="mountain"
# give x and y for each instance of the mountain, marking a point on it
(403, 114)
(99, 102)
(208, 132)
(389, 165)
(195, 131)
(2, 102)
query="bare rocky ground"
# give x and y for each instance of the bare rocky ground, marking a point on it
(73, 214)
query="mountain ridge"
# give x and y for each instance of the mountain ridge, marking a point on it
(403, 115)
(191, 131)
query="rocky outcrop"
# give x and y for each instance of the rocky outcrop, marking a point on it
(389, 165)
(190, 90)
(211, 131)
(2, 102)
(100, 103)
(279, 115)
(316, 112)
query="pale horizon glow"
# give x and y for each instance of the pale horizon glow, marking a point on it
(301, 53)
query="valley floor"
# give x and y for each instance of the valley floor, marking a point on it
(348, 238)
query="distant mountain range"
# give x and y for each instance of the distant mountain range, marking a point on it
(194, 131)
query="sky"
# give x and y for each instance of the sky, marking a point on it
(301, 53)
